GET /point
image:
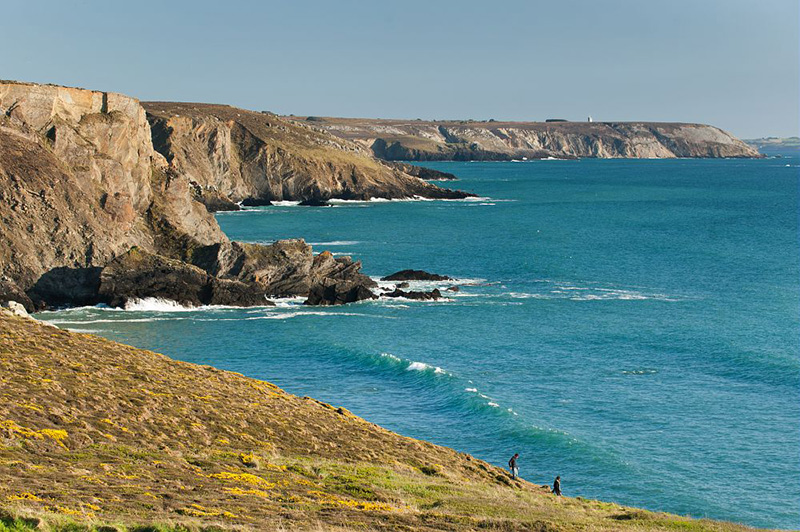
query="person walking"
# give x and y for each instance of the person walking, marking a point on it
(512, 465)
(557, 486)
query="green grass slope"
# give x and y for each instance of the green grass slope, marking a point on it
(95, 435)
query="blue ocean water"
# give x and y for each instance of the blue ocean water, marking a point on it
(630, 325)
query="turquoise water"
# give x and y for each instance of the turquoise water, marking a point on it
(629, 325)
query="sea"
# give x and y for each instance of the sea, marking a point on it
(629, 325)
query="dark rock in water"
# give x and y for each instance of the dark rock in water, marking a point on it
(314, 202)
(453, 289)
(256, 202)
(237, 294)
(415, 275)
(403, 285)
(139, 274)
(421, 296)
(336, 292)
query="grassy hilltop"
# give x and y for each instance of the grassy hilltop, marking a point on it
(96, 435)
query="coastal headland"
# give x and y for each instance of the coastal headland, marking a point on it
(104, 200)
(470, 140)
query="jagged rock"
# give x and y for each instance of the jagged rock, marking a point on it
(9, 291)
(453, 289)
(415, 275)
(138, 274)
(217, 203)
(80, 184)
(334, 292)
(421, 296)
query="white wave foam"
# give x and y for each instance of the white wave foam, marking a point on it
(286, 302)
(640, 372)
(391, 357)
(422, 366)
(156, 304)
(297, 314)
(67, 323)
(493, 404)
(471, 390)
(335, 243)
(286, 203)
(581, 293)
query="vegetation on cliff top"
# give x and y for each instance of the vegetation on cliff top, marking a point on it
(96, 435)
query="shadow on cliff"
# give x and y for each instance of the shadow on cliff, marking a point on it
(63, 286)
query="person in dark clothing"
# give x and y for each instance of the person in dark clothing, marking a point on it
(512, 465)
(557, 486)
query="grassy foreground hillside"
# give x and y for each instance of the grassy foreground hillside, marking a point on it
(95, 435)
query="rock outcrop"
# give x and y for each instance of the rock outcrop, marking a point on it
(242, 155)
(138, 274)
(415, 294)
(415, 275)
(81, 185)
(468, 140)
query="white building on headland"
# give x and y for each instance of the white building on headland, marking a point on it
(590, 119)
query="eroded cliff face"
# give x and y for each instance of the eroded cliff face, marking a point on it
(76, 169)
(418, 140)
(232, 155)
(81, 185)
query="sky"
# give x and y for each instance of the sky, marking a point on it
(730, 63)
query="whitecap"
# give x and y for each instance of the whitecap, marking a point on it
(640, 372)
(287, 315)
(422, 366)
(471, 390)
(335, 243)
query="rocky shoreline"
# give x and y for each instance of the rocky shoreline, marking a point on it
(104, 199)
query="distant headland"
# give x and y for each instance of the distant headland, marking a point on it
(470, 140)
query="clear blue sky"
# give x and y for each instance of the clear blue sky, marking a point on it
(731, 63)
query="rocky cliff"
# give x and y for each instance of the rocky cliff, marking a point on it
(234, 155)
(81, 185)
(468, 140)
